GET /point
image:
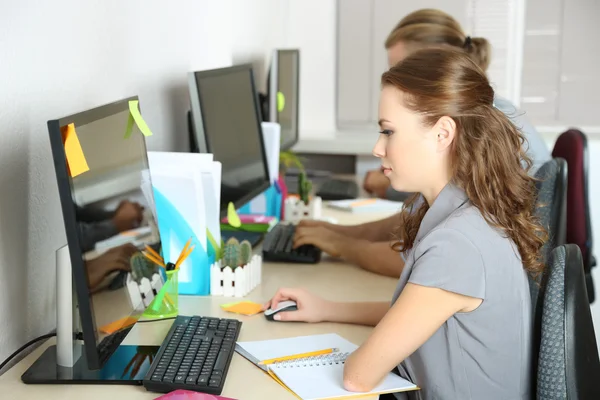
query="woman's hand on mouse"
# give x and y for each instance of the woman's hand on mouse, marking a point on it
(311, 308)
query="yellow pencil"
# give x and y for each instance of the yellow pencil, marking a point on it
(154, 253)
(153, 259)
(183, 251)
(301, 355)
(182, 259)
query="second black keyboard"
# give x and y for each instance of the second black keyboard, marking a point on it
(194, 356)
(338, 189)
(278, 246)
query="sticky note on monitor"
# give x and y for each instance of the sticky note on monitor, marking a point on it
(135, 116)
(280, 102)
(76, 161)
(232, 216)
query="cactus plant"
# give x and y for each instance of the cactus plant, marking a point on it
(231, 253)
(245, 253)
(141, 267)
(304, 187)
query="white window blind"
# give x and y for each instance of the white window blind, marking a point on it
(501, 23)
(544, 55)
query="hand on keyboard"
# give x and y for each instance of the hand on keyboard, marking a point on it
(322, 237)
(279, 246)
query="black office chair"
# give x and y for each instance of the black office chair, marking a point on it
(551, 205)
(568, 366)
(551, 211)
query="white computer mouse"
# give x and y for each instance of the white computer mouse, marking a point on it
(288, 305)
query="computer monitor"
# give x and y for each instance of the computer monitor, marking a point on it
(226, 122)
(284, 94)
(103, 182)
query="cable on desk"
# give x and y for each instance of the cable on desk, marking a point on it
(26, 345)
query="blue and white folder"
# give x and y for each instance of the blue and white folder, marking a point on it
(187, 206)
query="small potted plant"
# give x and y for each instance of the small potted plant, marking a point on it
(237, 272)
(304, 206)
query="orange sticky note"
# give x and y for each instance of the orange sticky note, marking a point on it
(244, 308)
(118, 324)
(75, 158)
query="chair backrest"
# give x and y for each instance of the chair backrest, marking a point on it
(572, 147)
(552, 201)
(568, 362)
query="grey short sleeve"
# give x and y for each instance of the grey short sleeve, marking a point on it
(448, 260)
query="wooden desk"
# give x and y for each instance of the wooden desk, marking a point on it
(331, 279)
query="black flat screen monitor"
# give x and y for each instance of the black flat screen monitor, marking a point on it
(284, 94)
(102, 178)
(227, 123)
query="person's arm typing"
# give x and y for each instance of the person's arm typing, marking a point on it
(376, 257)
(376, 231)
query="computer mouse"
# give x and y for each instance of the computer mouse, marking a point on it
(288, 305)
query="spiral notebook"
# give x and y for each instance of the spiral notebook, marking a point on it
(316, 377)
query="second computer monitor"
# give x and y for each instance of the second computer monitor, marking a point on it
(227, 123)
(284, 94)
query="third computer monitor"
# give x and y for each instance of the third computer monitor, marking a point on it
(227, 123)
(283, 94)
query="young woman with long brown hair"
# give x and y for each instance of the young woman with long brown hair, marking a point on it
(460, 321)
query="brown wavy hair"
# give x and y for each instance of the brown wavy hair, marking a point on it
(487, 157)
(429, 26)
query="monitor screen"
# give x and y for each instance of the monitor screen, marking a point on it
(227, 123)
(284, 92)
(106, 198)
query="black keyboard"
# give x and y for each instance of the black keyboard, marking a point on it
(278, 243)
(195, 355)
(253, 237)
(338, 189)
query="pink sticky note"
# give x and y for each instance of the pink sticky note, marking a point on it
(189, 395)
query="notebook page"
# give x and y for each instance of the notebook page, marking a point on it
(326, 382)
(268, 349)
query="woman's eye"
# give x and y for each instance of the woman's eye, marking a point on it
(386, 132)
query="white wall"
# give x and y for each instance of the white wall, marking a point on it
(62, 57)
(309, 25)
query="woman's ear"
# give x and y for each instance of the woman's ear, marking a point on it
(445, 129)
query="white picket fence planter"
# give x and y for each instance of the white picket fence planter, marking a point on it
(296, 210)
(142, 295)
(238, 283)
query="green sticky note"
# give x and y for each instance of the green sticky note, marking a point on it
(232, 217)
(280, 102)
(129, 126)
(134, 115)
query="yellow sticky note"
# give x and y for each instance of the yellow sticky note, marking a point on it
(119, 324)
(280, 102)
(134, 115)
(75, 158)
(232, 217)
(244, 308)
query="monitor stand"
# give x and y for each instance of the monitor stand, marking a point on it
(65, 362)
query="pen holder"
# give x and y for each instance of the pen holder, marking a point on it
(166, 302)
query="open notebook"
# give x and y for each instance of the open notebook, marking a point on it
(316, 377)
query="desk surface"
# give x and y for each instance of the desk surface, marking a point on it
(332, 279)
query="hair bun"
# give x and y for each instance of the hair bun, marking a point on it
(468, 42)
